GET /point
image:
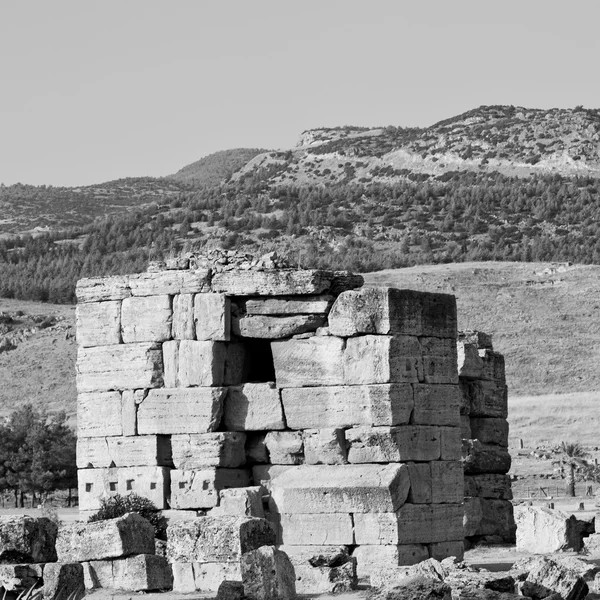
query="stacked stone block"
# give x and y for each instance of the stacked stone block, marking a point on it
(484, 410)
(196, 388)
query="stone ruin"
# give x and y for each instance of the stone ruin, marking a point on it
(239, 396)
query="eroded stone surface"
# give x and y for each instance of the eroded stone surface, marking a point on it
(268, 574)
(27, 539)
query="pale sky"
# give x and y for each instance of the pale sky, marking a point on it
(94, 91)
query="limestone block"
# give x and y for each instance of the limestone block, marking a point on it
(447, 482)
(465, 427)
(493, 366)
(265, 474)
(142, 450)
(345, 406)
(170, 282)
(201, 363)
(19, 578)
(256, 451)
(324, 446)
(170, 351)
(183, 327)
(100, 289)
(317, 529)
(219, 449)
(216, 539)
(230, 590)
(275, 327)
(490, 485)
(411, 524)
(481, 458)
(469, 362)
(381, 311)
(98, 323)
(490, 430)
(326, 580)
(479, 339)
(280, 282)
(119, 367)
(371, 557)
(30, 538)
(439, 317)
(473, 514)
(199, 488)
(208, 577)
(542, 530)
(439, 360)
(142, 572)
(183, 577)
(146, 319)
(114, 538)
(382, 359)
(393, 444)
(450, 443)
(309, 362)
(323, 555)
(180, 410)
(340, 488)
(285, 447)
(61, 580)
(436, 405)
(549, 577)
(253, 407)
(497, 519)
(286, 305)
(268, 574)
(441, 550)
(237, 361)
(212, 317)
(241, 502)
(486, 398)
(129, 403)
(96, 484)
(420, 483)
(99, 414)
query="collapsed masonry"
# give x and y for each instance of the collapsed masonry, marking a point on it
(344, 403)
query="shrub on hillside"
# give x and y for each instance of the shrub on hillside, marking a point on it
(118, 505)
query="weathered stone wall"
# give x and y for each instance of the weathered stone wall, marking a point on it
(343, 404)
(486, 461)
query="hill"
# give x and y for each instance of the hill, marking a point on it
(543, 317)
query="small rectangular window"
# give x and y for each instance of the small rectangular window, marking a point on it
(152, 486)
(88, 487)
(130, 484)
(112, 486)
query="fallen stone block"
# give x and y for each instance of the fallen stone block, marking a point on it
(547, 576)
(382, 359)
(96, 484)
(253, 407)
(439, 360)
(491, 485)
(230, 590)
(481, 458)
(285, 447)
(119, 367)
(101, 289)
(436, 405)
(241, 502)
(326, 580)
(114, 538)
(395, 586)
(486, 398)
(309, 362)
(345, 406)
(490, 430)
(286, 305)
(20, 577)
(176, 410)
(591, 545)
(212, 317)
(393, 444)
(340, 488)
(218, 449)
(268, 574)
(142, 572)
(316, 529)
(141, 450)
(411, 524)
(201, 363)
(469, 362)
(542, 530)
(99, 414)
(98, 323)
(380, 311)
(447, 482)
(27, 539)
(324, 446)
(183, 327)
(199, 488)
(275, 327)
(146, 319)
(63, 580)
(216, 539)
